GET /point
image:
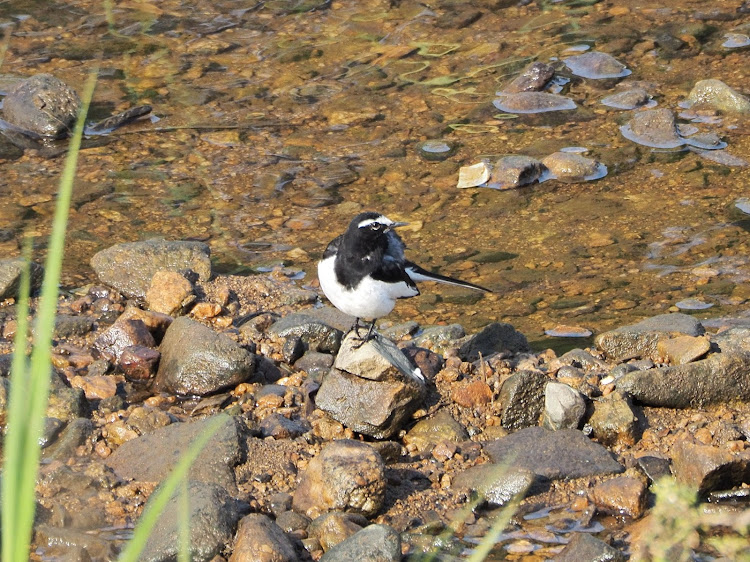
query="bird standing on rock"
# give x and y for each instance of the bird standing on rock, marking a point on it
(364, 271)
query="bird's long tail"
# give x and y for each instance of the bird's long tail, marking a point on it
(419, 274)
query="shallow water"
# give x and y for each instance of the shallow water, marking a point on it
(276, 127)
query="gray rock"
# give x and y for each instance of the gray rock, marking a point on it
(613, 420)
(347, 476)
(431, 431)
(642, 339)
(516, 171)
(532, 102)
(281, 427)
(717, 94)
(572, 167)
(213, 519)
(290, 521)
(371, 389)
(123, 334)
(629, 99)
(734, 339)
(581, 359)
(596, 65)
(564, 407)
(315, 364)
(197, 360)
(495, 483)
(522, 399)
(259, 538)
(10, 276)
(65, 403)
(556, 455)
(653, 127)
(706, 468)
(584, 546)
(52, 426)
(721, 377)
(42, 104)
(434, 337)
(376, 543)
(314, 333)
(533, 78)
(69, 326)
(74, 435)
(151, 457)
(497, 337)
(130, 267)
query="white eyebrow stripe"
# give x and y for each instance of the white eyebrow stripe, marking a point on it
(381, 219)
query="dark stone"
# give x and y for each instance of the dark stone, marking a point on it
(213, 519)
(123, 334)
(314, 333)
(280, 427)
(522, 399)
(129, 267)
(584, 546)
(197, 360)
(556, 455)
(151, 457)
(42, 104)
(495, 483)
(376, 543)
(613, 421)
(139, 363)
(73, 436)
(259, 538)
(706, 468)
(67, 326)
(10, 276)
(721, 378)
(654, 467)
(495, 338)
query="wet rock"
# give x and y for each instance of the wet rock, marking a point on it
(564, 407)
(629, 99)
(495, 338)
(96, 387)
(65, 403)
(315, 364)
(260, 539)
(197, 360)
(623, 495)
(314, 333)
(42, 104)
(706, 468)
(435, 337)
(346, 476)
(495, 482)
(151, 457)
(580, 359)
(654, 467)
(653, 127)
(63, 543)
(130, 267)
(68, 326)
(522, 399)
(562, 454)
(371, 389)
(515, 171)
(280, 427)
(572, 167)
(532, 102)
(123, 334)
(292, 349)
(10, 276)
(642, 339)
(584, 546)
(389, 450)
(289, 521)
(156, 322)
(334, 527)
(613, 420)
(722, 377)
(139, 363)
(533, 78)
(596, 65)
(213, 518)
(683, 349)
(716, 94)
(52, 426)
(169, 293)
(73, 436)
(376, 543)
(471, 394)
(439, 428)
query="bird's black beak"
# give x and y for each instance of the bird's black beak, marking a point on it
(396, 225)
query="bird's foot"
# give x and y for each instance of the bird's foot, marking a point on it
(370, 335)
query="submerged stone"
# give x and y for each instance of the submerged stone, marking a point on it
(42, 104)
(533, 78)
(572, 167)
(629, 99)
(654, 127)
(515, 171)
(716, 94)
(597, 66)
(532, 102)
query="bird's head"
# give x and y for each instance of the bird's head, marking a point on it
(372, 225)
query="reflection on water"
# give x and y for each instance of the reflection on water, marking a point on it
(278, 124)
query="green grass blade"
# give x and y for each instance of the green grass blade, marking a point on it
(29, 391)
(498, 526)
(183, 553)
(159, 499)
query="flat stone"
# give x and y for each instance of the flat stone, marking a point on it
(169, 293)
(584, 546)
(213, 518)
(683, 349)
(315, 333)
(431, 431)
(642, 339)
(623, 495)
(495, 338)
(706, 468)
(376, 543)
(533, 78)
(131, 266)
(471, 394)
(334, 527)
(721, 378)
(515, 171)
(151, 457)
(10, 276)
(555, 455)
(496, 483)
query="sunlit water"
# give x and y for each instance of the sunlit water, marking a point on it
(275, 128)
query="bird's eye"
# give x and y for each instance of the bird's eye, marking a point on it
(376, 226)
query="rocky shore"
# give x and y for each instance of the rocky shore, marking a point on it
(405, 446)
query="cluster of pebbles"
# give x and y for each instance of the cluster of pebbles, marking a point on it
(337, 452)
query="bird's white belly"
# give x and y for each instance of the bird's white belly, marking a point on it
(369, 300)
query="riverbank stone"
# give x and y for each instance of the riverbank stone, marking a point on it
(259, 539)
(553, 455)
(131, 266)
(564, 407)
(347, 476)
(706, 468)
(497, 337)
(522, 399)
(10, 276)
(195, 360)
(722, 377)
(495, 483)
(375, 543)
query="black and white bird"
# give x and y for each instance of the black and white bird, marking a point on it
(364, 270)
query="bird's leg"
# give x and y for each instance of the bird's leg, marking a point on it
(356, 328)
(368, 336)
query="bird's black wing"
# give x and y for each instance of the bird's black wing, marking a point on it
(332, 248)
(392, 271)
